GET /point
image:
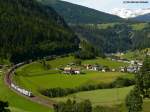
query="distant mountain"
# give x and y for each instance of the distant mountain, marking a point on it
(129, 13)
(75, 14)
(145, 18)
(30, 30)
(112, 38)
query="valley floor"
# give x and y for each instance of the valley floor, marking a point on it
(34, 77)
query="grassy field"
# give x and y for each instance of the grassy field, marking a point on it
(105, 97)
(34, 77)
(106, 25)
(139, 26)
(4, 61)
(105, 62)
(137, 54)
(61, 61)
(146, 106)
(18, 103)
(100, 97)
(102, 61)
(41, 79)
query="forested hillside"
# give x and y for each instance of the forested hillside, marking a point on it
(117, 37)
(145, 17)
(76, 14)
(30, 30)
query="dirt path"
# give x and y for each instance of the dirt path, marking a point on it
(37, 99)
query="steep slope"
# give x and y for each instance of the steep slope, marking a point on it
(114, 38)
(75, 14)
(145, 18)
(31, 30)
(108, 40)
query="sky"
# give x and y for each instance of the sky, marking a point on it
(108, 5)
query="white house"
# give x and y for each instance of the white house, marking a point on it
(103, 70)
(77, 71)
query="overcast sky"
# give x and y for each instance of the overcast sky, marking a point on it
(108, 5)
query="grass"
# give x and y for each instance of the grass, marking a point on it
(105, 62)
(137, 54)
(100, 97)
(34, 77)
(146, 105)
(66, 60)
(18, 103)
(61, 61)
(136, 26)
(139, 26)
(106, 25)
(4, 61)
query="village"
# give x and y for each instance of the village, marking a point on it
(133, 67)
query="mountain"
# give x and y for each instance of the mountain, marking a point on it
(115, 37)
(130, 13)
(31, 30)
(76, 14)
(145, 18)
(110, 39)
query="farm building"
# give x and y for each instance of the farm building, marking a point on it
(132, 68)
(88, 66)
(96, 68)
(93, 67)
(70, 70)
(113, 70)
(106, 69)
(123, 69)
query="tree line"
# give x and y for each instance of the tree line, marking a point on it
(73, 106)
(141, 91)
(82, 106)
(4, 106)
(59, 92)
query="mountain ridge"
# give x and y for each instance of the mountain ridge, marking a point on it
(143, 18)
(76, 14)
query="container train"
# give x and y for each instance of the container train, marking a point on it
(12, 85)
(22, 91)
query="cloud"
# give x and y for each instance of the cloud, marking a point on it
(108, 5)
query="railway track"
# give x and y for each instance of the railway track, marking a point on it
(37, 99)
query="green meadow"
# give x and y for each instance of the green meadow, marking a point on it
(146, 106)
(34, 77)
(135, 26)
(101, 96)
(58, 62)
(105, 97)
(139, 26)
(53, 80)
(137, 54)
(105, 62)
